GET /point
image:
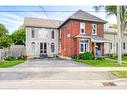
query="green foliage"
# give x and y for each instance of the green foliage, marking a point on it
(100, 58)
(3, 30)
(5, 41)
(86, 56)
(21, 58)
(18, 36)
(10, 58)
(74, 57)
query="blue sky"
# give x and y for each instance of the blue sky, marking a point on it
(12, 20)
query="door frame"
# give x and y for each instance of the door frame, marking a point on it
(43, 48)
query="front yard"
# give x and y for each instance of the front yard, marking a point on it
(6, 64)
(101, 63)
(124, 58)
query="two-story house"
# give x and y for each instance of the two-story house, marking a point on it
(41, 37)
(82, 32)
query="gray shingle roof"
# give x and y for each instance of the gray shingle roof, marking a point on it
(82, 15)
(38, 22)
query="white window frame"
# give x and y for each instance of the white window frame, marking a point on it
(33, 47)
(124, 45)
(53, 34)
(32, 33)
(53, 48)
(82, 26)
(95, 29)
(84, 44)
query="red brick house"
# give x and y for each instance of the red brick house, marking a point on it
(82, 32)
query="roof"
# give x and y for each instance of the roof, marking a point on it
(38, 22)
(112, 31)
(94, 38)
(82, 15)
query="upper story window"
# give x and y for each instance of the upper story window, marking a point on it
(124, 46)
(33, 33)
(82, 28)
(53, 34)
(94, 29)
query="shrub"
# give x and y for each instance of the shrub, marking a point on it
(10, 58)
(99, 58)
(86, 56)
(74, 57)
(21, 58)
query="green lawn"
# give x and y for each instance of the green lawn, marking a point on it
(6, 64)
(124, 58)
(120, 74)
(101, 63)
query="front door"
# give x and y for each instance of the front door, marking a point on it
(43, 49)
(98, 49)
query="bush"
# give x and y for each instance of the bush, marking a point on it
(21, 58)
(74, 57)
(86, 56)
(100, 58)
(10, 58)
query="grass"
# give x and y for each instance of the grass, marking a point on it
(6, 64)
(120, 74)
(124, 58)
(101, 63)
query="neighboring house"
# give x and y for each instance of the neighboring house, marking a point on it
(82, 32)
(41, 37)
(112, 48)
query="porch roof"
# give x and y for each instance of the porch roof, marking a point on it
(94, 38)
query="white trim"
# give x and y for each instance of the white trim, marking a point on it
(95, 29)
(88, 49)
(81, 27)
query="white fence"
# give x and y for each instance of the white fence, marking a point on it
(14, 50)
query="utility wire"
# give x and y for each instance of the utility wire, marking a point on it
(47, 11)
(47, 15)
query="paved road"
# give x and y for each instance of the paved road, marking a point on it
(52, 73)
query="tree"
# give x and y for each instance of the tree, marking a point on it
(3, 30)
(18, 36)
(5, 39)
(112, 10)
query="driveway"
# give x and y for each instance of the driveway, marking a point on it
(51, 62)
(52, 69)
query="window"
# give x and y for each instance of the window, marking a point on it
(110, 45)
(33, 47)
(124, 46)
(82, 28)
(52, 47)
(94, 29)
(84, 46)
(33, 33)
(52, 34)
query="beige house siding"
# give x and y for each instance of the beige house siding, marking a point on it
(113, 37)
(41, 37)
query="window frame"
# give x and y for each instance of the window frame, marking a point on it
(124, 45)
(33, 48)
(85, 45)
(52, 47)
(53, 34)
(32, 33)
(95, 29)
(82, 26)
